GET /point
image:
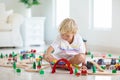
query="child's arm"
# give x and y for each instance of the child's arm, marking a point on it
(47, 56)
(49, 50)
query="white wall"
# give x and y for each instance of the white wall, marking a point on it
(19, 7)
(79, 10)
(99, 40)
(45, 9)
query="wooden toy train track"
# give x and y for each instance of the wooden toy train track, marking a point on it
(103, 73)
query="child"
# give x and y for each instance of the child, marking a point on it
(68, 45)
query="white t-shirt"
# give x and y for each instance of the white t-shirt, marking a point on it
(62, 48)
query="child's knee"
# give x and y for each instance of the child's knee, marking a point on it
(81, 58)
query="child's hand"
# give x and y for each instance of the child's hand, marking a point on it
(48, 57)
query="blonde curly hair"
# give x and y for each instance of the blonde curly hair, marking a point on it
(68, 25)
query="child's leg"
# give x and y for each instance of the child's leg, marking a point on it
(77, 59)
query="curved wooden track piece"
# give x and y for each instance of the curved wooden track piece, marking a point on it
(98, 67)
